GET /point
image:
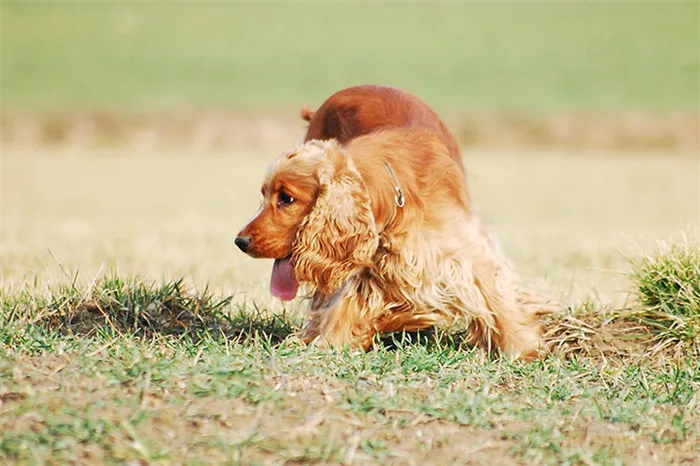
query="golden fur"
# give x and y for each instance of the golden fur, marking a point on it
(370, 266)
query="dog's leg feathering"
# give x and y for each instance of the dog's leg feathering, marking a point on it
(516, 308)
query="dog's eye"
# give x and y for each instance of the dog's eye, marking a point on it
(284, 199)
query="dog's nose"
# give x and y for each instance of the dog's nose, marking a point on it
(242, 242)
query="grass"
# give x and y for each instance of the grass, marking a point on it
(509, 57)
(128, 305)
(108, 357)
(668, 294)
(119, 394)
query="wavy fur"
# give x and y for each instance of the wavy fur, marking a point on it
(371, 266)
(328, 248)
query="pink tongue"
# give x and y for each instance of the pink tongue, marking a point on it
(283, 285)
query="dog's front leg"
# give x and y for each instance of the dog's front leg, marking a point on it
(339, 320)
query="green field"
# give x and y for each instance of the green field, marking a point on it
(461, 57)
(135, 136)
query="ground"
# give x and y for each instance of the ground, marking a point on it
(133, 140)
(569, 220)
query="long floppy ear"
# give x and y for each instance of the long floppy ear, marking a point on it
(339, 235)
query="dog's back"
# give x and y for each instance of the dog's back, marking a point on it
(416, 161)
(360, 110)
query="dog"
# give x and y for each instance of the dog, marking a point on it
(381, 233)
(360, 110)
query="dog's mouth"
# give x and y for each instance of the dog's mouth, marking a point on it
(283, 284)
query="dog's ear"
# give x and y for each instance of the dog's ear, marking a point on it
(339, 235)
(306, 113)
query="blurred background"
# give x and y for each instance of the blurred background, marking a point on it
(135, 134)
(618, 73)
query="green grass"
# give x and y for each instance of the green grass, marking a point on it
(120, 393)
(120, 305)
(668, 294)
(460, 57)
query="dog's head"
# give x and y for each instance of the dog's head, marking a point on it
(316, 221)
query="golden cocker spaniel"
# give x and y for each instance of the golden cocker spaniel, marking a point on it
(382, 235)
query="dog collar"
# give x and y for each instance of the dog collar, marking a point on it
(399, 198)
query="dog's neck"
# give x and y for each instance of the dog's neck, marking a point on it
(388, 194)
(399, 198)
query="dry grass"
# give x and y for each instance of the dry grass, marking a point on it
(98, 368)
(567, 218)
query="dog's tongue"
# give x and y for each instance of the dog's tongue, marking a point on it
(283, 285)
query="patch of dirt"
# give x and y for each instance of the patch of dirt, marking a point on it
(597, 334)
(221, 131)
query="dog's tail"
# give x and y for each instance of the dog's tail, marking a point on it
(306, 113)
